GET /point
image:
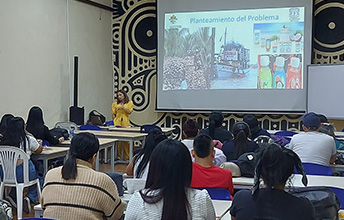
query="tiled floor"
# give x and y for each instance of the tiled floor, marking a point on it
(103, 167)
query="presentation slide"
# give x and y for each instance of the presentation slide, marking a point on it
(234, 56)
(234, 49)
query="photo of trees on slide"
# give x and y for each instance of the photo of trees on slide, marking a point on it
(270, 57)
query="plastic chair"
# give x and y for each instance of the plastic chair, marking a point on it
(148, 128)
(8, 158)
(70, 126)
(219, 193)
(134, 184)
(317, 169)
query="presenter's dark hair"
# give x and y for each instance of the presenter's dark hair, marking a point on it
(35, 122)
(215, 121)
(275, 164)
(202, 145)
(4, 122)
(170, 173)
(83, 146)
(190, 128)
(154, 137)
(126, 97)
(15, 133)
(241, 132)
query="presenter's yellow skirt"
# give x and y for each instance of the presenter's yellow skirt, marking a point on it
(123, 146)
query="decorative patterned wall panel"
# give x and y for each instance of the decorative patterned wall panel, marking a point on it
(134, 58)
(328, 31)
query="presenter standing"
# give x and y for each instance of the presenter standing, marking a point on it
(121, 109)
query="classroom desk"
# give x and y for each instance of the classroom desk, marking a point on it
(53, 152)
(49, 153)
(313, 180)
(337, 168)
(167, 131)
(104, 143)
(121, 136)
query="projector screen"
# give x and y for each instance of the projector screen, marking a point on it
(247, 56)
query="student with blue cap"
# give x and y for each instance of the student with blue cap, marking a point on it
(311, 145)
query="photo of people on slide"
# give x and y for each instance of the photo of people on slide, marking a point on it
(259, 53)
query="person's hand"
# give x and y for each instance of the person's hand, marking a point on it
(61, 139)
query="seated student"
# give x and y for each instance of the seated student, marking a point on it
(256, 131)
(76, 191)
(275, 165)
(15, 136)
(241, 144)
(312, 146)
(328, 128)
(215, 129)
(190, 131)
(3, 124)
(35, 125)
(139, 165)
(167, 194)
(204, 173)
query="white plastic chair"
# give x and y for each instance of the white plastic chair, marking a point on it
(134, 184)
(8, 159)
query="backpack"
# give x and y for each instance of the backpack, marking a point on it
(247, 164)
(325, 202)
(96, 118)
(60, 132)
(5, 210)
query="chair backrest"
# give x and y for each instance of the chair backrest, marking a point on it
(70, 126)
(90, 127)
(134, 184)
(148, 128)
(8, 157)
(219, 193)
(317, 169)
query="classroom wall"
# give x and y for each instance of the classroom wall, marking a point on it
(134, 48)
(37, 42)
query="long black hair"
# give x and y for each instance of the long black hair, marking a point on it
(241, 132)
(15, 133)
(4, 121)
(275, 164)
(83, 146)
(154, 137)
(215, 121)
(170, 172)
(35, 122)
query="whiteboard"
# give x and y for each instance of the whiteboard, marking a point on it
(325, 94)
